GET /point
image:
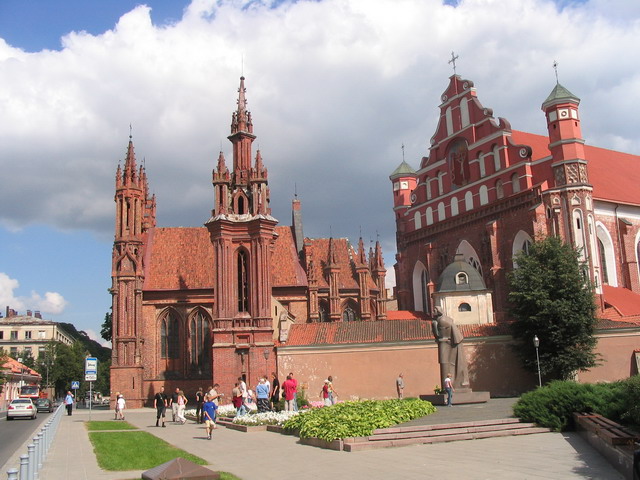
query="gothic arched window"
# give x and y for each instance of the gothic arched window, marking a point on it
(243, 282)
(349, 314)
(603, 261)
(323, 312)
(200, 333)
(170, 336)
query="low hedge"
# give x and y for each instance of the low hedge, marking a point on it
(552, 406)
(357, 419)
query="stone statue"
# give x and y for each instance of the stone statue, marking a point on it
(450, 350)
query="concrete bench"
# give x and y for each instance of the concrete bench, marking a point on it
(608, 430)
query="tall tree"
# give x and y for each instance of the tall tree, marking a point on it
(552, 299)
(107, 327)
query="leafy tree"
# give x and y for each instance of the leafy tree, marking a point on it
(25, 357)
(3, 359)
(107, 327)
(550, 298)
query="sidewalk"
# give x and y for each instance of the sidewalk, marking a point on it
(267, 455)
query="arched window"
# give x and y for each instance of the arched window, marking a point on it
(496, 158)
(200, 344)
(454, 206)
(418, 220)
(243, 282)
(499, 189)
(241, 205)
(349, 314)
(481, 165)
(170, 336)
(427, 186)
(603, 260)
(420, 280)
(464, 113)
(607, 257)
(323, 312)
(464, 307)
(468, 201)
(515, 183)
(462, 278)
(484, 195)
(429, 215)
(441, 214)
(521, 242)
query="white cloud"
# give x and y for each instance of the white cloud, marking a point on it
(95, 336)
(53, 303)
(335, 87)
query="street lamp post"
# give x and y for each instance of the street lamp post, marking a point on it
(536, 343)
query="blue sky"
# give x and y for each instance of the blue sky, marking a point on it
(335, 88)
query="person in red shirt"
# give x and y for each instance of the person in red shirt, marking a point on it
(295, 393)
(289, 387)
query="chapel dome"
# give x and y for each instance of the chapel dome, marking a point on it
(459, 276)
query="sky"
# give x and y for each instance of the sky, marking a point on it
(335, 88)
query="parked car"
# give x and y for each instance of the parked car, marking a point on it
(44, 405)
(21, 407)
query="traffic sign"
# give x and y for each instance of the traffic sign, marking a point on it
(90, 365)
(75, 385)
(90, 377)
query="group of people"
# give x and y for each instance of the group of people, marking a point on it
(177, 402)
(265, 395)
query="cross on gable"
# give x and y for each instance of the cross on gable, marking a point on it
(454, 57)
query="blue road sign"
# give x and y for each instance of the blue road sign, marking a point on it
(75, 385)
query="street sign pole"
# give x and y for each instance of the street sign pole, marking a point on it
(90, 375)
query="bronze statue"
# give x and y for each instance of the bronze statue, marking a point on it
(450, 350)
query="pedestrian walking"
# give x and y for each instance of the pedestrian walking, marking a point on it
(400, 385)
(68, 402)
(160, 404)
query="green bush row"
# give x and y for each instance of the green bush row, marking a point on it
(357, 419)
(552, 406)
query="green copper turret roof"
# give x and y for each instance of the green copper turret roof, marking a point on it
(559, 94)
(403, 169)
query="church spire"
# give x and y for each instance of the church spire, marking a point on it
(242, 138)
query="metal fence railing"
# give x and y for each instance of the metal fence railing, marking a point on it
(31, 462)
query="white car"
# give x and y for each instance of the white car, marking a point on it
(21, 407)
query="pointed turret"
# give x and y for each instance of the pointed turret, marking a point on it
(296, 223)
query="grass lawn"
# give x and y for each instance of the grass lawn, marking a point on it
(109, 425)
(117, 451)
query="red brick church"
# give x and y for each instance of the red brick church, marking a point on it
(485, 191)
(194, 305)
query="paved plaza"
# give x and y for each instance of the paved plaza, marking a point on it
(267, 455)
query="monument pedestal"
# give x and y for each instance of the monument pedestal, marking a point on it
(460, 397)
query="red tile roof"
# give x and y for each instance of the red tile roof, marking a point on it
(286, 269)
(13, 366)
(179, 258)
(380, 331)
(615, 176)
(623, 300)
(404, 315)
(384, 331)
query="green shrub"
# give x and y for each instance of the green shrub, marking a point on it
(552, 406)
(631, 398)
(357, 419)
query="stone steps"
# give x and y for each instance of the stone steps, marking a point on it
(400, 436)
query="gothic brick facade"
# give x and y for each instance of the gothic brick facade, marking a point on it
(485, 191)
(194, 306)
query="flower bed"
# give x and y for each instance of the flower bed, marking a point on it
(266, 418)
(356, 419)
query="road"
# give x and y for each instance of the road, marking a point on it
(16, 432)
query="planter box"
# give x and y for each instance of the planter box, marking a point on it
(280, 429)
(247, 428)
(316, 442)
